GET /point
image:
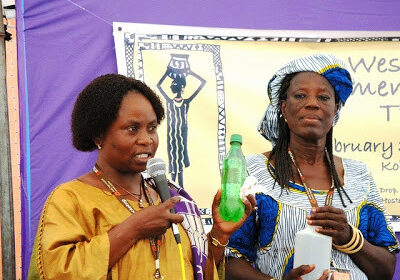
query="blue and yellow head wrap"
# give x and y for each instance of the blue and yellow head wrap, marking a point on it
(329, 66)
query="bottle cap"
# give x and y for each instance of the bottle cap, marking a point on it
(236, 138)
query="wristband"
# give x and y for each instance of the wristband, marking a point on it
(216, 242)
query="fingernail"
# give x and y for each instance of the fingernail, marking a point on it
(308, 217)
(313, 209)
(309, 222)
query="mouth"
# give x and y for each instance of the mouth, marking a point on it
(311, 117)
(143, 156)
(311, 120)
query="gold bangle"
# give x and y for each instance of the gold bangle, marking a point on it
(359, 247)
(354, 245)
(216, 242)
(348, 244)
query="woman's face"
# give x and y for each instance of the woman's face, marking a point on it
(132, 139)
(310, 106)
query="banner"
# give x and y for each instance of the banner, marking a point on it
(216, 85)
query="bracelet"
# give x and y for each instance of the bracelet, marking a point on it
(216, 242)
(359, 247)
(353, 237)
(354, 245)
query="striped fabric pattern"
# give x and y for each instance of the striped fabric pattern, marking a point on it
(276, 258)
(178, 157)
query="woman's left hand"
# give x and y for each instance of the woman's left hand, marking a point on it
(222, 229)
(332, 222)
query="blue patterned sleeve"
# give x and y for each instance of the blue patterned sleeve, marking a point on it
(243, 242)
(373, 220)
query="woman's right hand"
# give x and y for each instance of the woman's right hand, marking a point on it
(296, 273)
(155, 220)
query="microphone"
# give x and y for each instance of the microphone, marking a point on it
(156, 169)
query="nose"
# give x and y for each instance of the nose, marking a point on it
(312, 102)
(144, 138)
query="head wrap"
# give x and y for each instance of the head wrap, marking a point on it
(332, 68)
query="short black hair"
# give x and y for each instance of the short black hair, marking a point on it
(97, 106)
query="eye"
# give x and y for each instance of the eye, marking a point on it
(132, 128)
(324, 97)
(153, 127)
(299, 95)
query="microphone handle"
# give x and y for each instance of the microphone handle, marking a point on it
(163, 191)
(162, 187)
(177, 236)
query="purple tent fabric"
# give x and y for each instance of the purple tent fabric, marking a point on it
(62, 45)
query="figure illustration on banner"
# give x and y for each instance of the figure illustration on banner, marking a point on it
(177, 103)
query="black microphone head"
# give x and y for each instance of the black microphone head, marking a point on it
(156, 167)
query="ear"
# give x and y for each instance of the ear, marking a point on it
(336, 107)
(98, 141)
(283, 108)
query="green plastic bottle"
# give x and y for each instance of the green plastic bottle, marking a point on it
(231, 207)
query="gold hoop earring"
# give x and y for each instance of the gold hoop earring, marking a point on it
(285, 120)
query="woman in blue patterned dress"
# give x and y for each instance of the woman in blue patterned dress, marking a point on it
(301, 181)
